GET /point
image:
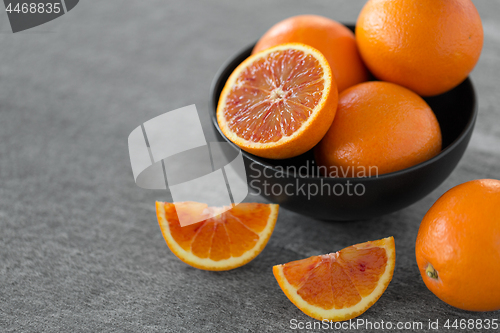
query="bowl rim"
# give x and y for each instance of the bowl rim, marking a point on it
(213, 114)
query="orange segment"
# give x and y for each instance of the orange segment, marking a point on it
(297, 271)
(317, 288)
(202, 241)
(364, 267)
(243, 239)
(342, 285)
(219, 248)
(345, 294)
(223, 242)
(279, 102)
(254, 216)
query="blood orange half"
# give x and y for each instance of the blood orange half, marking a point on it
(280, 102)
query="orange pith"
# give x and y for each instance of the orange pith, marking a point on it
(278, 103)
(341, 285)
(223, 242)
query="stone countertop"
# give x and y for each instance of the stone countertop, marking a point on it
(80, 246)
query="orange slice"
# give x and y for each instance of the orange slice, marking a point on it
(342, 285)
(223, 242)
(280, 102)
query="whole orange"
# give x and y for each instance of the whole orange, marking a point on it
(379, 127)
(458, 246)
(427, 46)
(334, 40)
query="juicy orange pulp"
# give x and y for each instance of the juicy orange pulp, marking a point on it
(333, 39)
(280, 102)
(223, 242)
(273, 99)
(341, 285)
(355, 272)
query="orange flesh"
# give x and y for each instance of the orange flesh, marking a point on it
(229, 234)
(272, 99)
(337, 280)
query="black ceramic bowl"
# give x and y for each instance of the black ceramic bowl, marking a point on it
(295, 185)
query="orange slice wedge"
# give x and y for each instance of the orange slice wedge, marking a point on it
(280, 102)
(342, 285)
(226, 241)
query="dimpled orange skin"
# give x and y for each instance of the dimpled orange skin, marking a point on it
(333, 39)
(427, 46)
(460, 237)
(382, 125)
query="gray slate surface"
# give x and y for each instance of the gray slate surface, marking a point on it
(80, 248)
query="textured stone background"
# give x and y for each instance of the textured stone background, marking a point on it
(80, 248)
